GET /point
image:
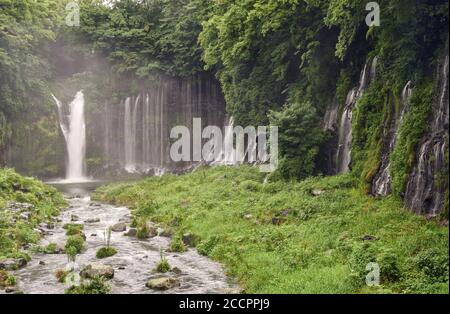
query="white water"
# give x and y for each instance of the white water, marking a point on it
(73, 127)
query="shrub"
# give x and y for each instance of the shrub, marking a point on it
(105, 252)
(96, 285)
(76, 242)
(61, 275)
(163, 265)
(177, 245)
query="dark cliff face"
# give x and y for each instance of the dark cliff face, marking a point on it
(425, 191)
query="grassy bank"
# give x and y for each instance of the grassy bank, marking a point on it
(315, 236)
(24, 204)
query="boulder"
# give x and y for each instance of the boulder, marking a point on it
(97, 270)
(317, 192)
(119, 227)
(163, 283)
(131, 233)
(188, 239)
(92, 220)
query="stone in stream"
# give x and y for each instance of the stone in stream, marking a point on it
(13, 263)
(92, 220)
(97, 270)
(131, 233)
(163, 283)
(74, 218)
(119, 227)
(177, 271)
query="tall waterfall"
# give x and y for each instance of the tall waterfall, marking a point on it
(343, 158)
(72, 123)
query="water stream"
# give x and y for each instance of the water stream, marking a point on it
(133, 264)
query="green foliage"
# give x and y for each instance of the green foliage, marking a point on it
(177, 245)
(299, 140)
(318, 247)
(105, 252)
(411, 132)
(76, 242)
(163, 265)
(96, 285)
(44, 200)
(7, 280)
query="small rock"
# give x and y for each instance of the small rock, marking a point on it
(119, 227)
(41, 263)
(285, 212)
(10, 289)
(248, 216)
(163, 283)
(13, 263)
(97, 270)
(93, 235)
(177, 271)
(368, 238)
(74, 218)
(121, 268)
(165, 233)
(25, 216)
(317, 192)
(276, 221)
(188, 239)
(50, 226)
(131, 233)
(92, 221)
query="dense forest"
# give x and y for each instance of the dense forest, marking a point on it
(366, 101)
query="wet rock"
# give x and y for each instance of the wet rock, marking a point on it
(25, 216)
(126, 219)
(50, 226)
(368, 238)
(188, 239)
(317, 192)
(74, 218)
(93, 235)
(18, 207)
(177, 271)
(11, 290)
(95, 204)
(92, 221)
(131, 233)
(13, 263)
(42, 263)
(119, 227)
(277, 221)
(97, 270)
(163, 283)
(165, 233)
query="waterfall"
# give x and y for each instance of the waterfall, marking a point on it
(73, 127)
(137, 139)
(424, 194)
(343, 156)
(382, 181)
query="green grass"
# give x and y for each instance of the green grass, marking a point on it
(46, 201)
(105, 252)
(279, 238)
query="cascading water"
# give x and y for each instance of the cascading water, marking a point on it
(382, 181)
(136, 132)
(73, 127)
(343, 158)
(424, 194)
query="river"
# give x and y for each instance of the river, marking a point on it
(134, 263)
